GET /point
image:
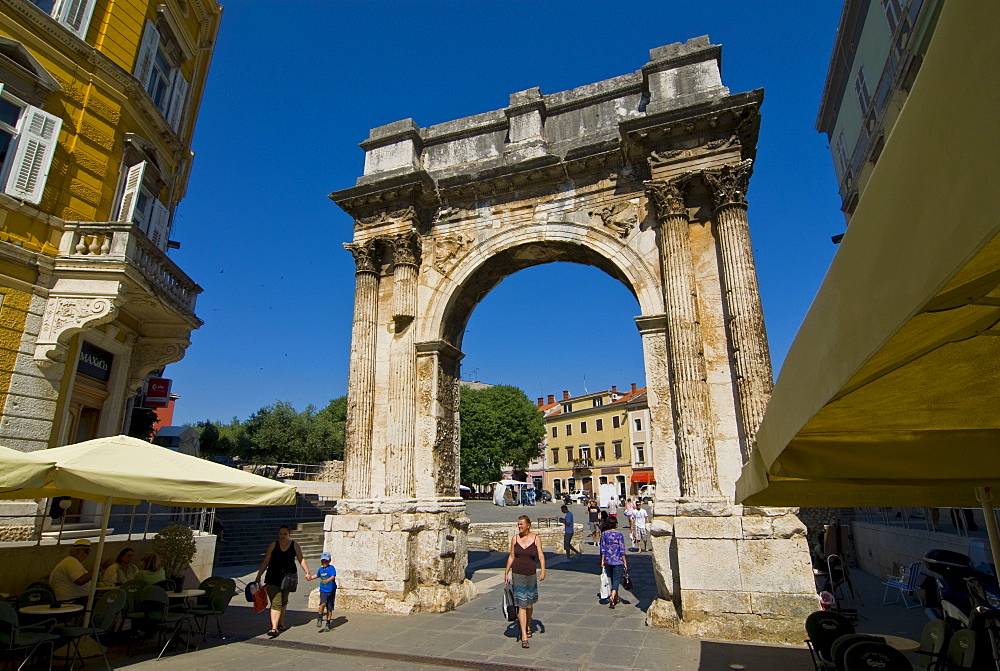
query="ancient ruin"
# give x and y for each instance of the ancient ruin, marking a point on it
(643, 176)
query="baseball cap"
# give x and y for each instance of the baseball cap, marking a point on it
(325, 555)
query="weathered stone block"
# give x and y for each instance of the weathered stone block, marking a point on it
(714, 601)
(708, 564)
(662, 527)
(708, 527)
(757, 527)
(791, 606)
(662, 613)
(759, 558)
(789, 526)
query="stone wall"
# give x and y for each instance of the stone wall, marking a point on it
(816, 518)
(495, 536)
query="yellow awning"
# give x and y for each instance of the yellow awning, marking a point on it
(128, 470)
(890, 393)
(21, 469)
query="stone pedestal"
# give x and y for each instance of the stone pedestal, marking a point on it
(732, 572)
(400, 556)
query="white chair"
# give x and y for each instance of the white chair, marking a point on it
(907, 583)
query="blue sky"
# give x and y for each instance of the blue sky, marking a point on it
(296, 85)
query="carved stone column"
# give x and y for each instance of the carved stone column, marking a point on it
(692, 403)
(438, 371)
(744, 312)
(361, 376)
(402, 366)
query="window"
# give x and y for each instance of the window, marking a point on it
(583, 427)
(598, 402)
(640, 452)
(139, 205)
(557, 487)
(158, 68)
(570, 484)
(567, 407)
(618, 449)
(74, 14)
(555, 432)
(891, 9)
(584, 452)
(569, 429)
(616, 422)
(861, 86)
(555, 455)
(638, 423)
(27, 144)
(569, 454)
(598, 425)
(842, 152)
(599, 451)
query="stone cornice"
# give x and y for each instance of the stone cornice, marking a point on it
(651, 323)
(439, 347)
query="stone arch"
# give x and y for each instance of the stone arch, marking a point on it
(486, 264)
(643, 176)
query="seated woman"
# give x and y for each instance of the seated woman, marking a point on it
(150, 570)
(121, 569)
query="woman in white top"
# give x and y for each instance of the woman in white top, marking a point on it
(122, 570)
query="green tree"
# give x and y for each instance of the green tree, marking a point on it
(500, 425)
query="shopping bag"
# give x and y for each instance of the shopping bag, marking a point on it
(605, 585)
(508, 606)
(627, 582)
(259, 599)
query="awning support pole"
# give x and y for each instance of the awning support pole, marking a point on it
(986, 499)
(98, 556)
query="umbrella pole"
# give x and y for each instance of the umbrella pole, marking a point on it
(985, 497)
(98, 557)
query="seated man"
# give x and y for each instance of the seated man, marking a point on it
(69, 579)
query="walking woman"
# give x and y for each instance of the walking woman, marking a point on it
(525, 550)
(613, 561)
(282, 576)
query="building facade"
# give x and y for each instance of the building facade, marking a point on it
(98, 101)
(594, 439)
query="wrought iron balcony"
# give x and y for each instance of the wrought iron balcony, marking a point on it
(583, 462)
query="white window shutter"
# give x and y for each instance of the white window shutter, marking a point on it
(75, 15)
(133, 183)
(36, 145)
(147, 52)
(158, 225)
(177, 98)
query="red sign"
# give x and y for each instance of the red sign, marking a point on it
(158, 392)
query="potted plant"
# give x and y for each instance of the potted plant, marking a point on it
(176, 548)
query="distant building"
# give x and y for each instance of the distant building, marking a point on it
(876, 57)
(596, 439)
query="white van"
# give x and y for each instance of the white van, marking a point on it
(647, 493)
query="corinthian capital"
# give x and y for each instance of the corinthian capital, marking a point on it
(366, 256)
(729, 184)
(668, 195)
(405, 248)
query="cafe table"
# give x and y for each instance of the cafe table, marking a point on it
(900, 643)
(46, 609)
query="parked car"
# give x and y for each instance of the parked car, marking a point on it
(646, 493)
(578, 496)
(544, 495)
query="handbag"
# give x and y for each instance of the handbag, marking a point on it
(605, 585)
(508, 606)
(290, 582)
(627, 582)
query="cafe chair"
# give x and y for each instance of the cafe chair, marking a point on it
(17, 638)
(823, 628)
(907, 583)
(961, 653)
(106, 610)
(167, 585)
(874, 656)
(219, 594)
(158, 618)
(35, 597)
(933, 645)
(840, 646)
(204, 600)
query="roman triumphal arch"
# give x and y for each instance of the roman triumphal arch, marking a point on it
(644, 177)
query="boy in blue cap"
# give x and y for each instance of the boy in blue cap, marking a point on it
(327, 575)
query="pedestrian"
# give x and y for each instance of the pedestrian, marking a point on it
(282, 576)
(327, 575)
(613, 561)
(629, 511)
(525, 550)
(640, 527)
(567, 520)
(593, 513)
(613, 507)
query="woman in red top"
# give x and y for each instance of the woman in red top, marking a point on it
(525, 550)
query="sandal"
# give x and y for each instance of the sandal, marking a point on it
(282, 627)
(273, 633)
(524, 643)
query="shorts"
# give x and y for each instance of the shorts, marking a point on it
(642, 534)
(278, 598)
(327, 599)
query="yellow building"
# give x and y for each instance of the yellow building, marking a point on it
(593, 439)
(98, 102)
